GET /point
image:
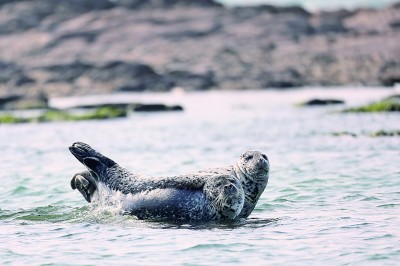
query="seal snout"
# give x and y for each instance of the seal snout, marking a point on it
(80, 150)
(263, 162)
(230, 187)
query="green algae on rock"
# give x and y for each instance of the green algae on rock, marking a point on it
(106, 112)
(374, 134)
(384, 133)
(386, 105)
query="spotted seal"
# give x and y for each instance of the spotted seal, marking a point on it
(221, 197)
(163, 196)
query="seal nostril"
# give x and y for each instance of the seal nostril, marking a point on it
(228, 187)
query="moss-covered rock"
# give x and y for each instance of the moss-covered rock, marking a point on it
(344, 134)
(374, 134)
(10, 119)
(106, 112)
(385, 105)
(383, 133)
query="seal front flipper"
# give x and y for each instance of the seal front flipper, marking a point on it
(85, 183)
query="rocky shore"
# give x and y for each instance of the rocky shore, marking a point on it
(74, 47)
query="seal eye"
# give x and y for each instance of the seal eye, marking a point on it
(265, 157)
(248, 157)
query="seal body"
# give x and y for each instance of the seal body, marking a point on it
(217, 197)
(214, 194)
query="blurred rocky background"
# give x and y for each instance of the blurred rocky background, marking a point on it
(77, 47)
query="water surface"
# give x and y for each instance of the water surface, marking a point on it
(330, 200)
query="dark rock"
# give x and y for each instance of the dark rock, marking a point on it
(67, 72)
(24, 15)
(192, 81)
(13, 75)
(26, 102)
(260, 9)
(288, 78)
(344, 134)
(156, 108)
(9, 71)
(133, 86)
(135, 4)
(101, 105)
(121, 70)
(319, 102)
(395, 25)
(395, 97)
(9, 98)
(389, 74)
(191, 33)
(329, 22)
(21, 80)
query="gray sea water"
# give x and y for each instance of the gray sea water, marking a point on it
(330, 200)
(315, 4)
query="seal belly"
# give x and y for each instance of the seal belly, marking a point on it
(169, 203)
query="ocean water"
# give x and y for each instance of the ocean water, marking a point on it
(330, 200)
(315, 4)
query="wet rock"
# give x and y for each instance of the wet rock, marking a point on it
(156, 108)
(135, 4)
(330, 22)
(384, 133)
(120, 70)
(344, 134)
(66, 72)
(192, 81)
(389, 74)
(321, 102)
(136, 107)
(102, 105)
(16, 16)
(9, 98)
(288, 78)
(19, 102)
(14, 75)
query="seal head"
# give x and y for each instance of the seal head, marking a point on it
(226, 196)
(252, 169)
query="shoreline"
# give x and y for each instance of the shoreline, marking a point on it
(103, 47)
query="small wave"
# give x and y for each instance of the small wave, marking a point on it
(42, 214)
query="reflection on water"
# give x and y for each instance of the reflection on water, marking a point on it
(330, 198)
